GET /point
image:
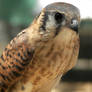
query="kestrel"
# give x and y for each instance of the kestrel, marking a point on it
(36, 59)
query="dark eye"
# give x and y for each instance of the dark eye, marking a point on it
(59, 17)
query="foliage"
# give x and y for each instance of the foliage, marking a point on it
(17, 12)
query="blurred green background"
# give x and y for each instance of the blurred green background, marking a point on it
(16, 15)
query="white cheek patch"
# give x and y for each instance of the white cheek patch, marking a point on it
(50, 24)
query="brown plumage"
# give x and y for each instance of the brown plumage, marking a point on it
(36, 59)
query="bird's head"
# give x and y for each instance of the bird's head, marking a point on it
(56, 16)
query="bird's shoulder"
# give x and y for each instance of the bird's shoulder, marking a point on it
(14, 59)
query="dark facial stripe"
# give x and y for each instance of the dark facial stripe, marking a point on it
(45, 18)
(57, 30)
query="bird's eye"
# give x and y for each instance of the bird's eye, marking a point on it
(59, 17)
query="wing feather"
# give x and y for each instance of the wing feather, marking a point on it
(15, 58)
